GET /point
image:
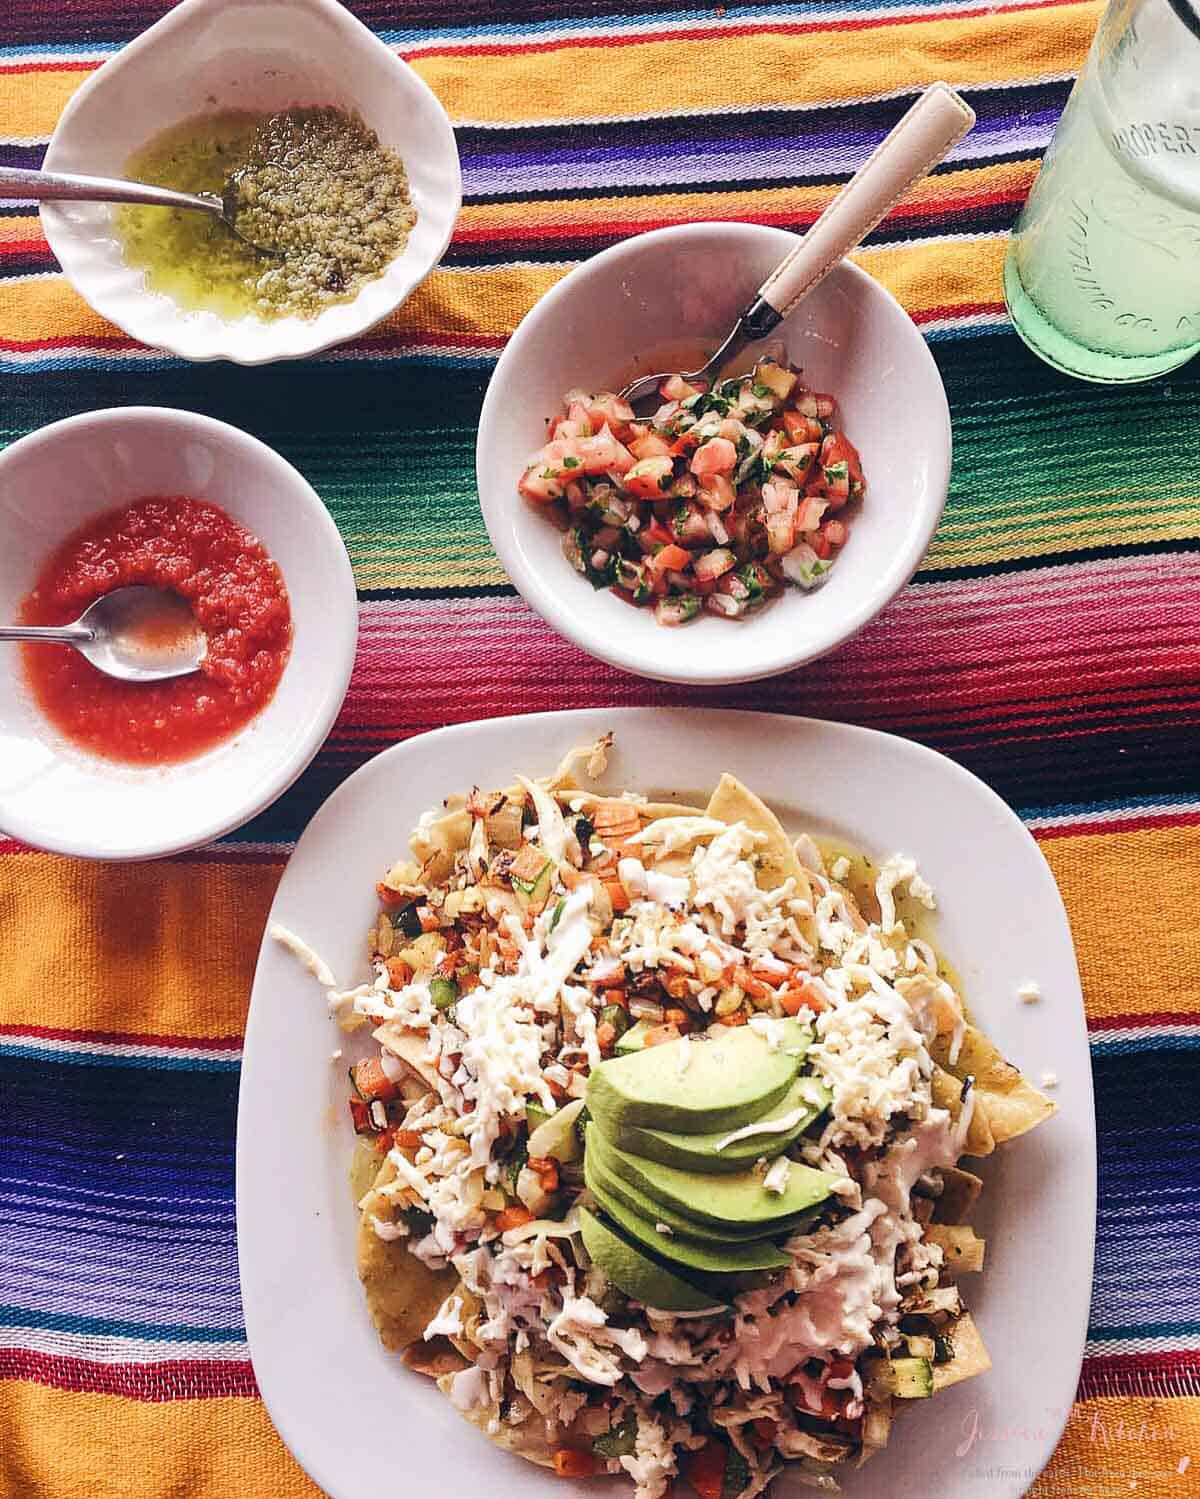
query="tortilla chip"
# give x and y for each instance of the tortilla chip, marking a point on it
(962, 1248)
(970, 1356)
(960, 1190)
(410, 1048)
(530, 1440)
(437, 1357)
(946, 1093)
(1009, 1105)
(403, 1294)
(777, 861)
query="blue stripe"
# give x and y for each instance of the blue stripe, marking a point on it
(1115, 804)
(49, 1053)
(16, 1316)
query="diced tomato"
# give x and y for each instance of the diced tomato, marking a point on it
(716, 456)
(717, 492)
(651, 445)
(399, 973)
(608, 409)
(821, 546)
(649, 478)
(763, 1433)
(801, 428)
(834, 532)
(515, 1216)
(670, 559)
(602, 454)
(361, 1117)
(780, 498)
(539, 484)
(676, 388)
(408, 1139)
(837, 448)
(656, 534)
(391, 900)
(617, 894)
(705, 1469)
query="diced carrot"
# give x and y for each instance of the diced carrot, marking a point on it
(429, 922)
(739, 1017)
(804, 996)
(546, 1170)
(372, 1081)
(680, 1019)
(408, 1139)
(615, 814)
(513, 1217)
(384, 1140)
(744, 979)
(570, 876)
(617, 894)
(573, 1462)
(658, 1034)
(391, 900)
(399, 973)
(528, 864)
(705, 1469)
(670, 559)
(616, 995)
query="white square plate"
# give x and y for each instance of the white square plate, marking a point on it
(358, 1421)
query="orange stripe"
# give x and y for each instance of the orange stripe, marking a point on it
(1132, 1446)
(1129, 897)
(57, 1445)
(166, 948)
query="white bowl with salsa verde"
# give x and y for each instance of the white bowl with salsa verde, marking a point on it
(248, 61)
(109, 770)
(663, 301)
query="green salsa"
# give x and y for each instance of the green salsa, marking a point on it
(314, 184)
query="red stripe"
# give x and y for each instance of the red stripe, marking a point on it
(1133, 822)
(63, 65)
(1157, 1375)
(123, 1038)
(721, 33)
(170, 1379)
(1156, 1017)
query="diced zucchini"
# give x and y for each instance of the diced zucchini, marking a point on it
(535, 1115)
(443, 992)
(634, 1039)
(619, 1441)
(556, 1136)
(920, 1346)
(912, 1378)
(615, 1016)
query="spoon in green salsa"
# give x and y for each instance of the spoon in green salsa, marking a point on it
(59, 187)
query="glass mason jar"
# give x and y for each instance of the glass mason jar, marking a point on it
(1102, 277)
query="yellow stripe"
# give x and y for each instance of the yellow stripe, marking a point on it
(60, 1445)
(574, 82)
(490, 302)
(1128, 1446)
(165, 948)
(462, 563)
(1104, 879)
(1046, 526)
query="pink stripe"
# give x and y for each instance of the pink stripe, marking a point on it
(1062, 651)
(171, 1379)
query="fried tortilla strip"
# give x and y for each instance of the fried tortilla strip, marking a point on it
(962, 1248)
(946, 1093)
(437, 1357)
(403, 1295)
(1010, 1104)
(410, 1048)
(777, 860)
(970, 1356)
(533, 1439)
(960, 1190)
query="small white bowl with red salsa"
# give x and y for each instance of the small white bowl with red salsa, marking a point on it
(727, 530)
(112, 769)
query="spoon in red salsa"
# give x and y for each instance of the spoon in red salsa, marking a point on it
(137, 634)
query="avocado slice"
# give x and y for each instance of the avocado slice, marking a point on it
(731, 1077)
(700, 1153)
(639, 1276)
(599, 1172)
(736, 1200)
(634, 1039)
(711, 1259)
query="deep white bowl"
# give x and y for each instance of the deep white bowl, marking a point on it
(209, 55)
(850, 336)
(58, 797)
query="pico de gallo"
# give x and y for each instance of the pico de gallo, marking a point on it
(716, 502)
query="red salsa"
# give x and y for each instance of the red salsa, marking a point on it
(236, 593)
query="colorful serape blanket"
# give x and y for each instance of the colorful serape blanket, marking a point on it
(1050, 642)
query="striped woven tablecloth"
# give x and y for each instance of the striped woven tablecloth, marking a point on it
(1049, 642)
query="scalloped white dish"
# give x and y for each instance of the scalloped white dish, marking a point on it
(346, 1407)
(210, 55)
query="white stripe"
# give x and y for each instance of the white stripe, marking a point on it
(1100, 1347)
(103, 1349)
(1109, 814)
(51, 1045)
(1172, 1031)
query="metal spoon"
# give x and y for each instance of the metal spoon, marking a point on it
(137, 634)
(57, 187)
(935, 123)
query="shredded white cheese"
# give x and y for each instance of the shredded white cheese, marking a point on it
(1049, 1079)
(776, 1179)
(1029, 993)
(297, 946)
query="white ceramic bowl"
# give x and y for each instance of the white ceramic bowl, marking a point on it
(689, 283)
(208, 55)
(59, 798)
